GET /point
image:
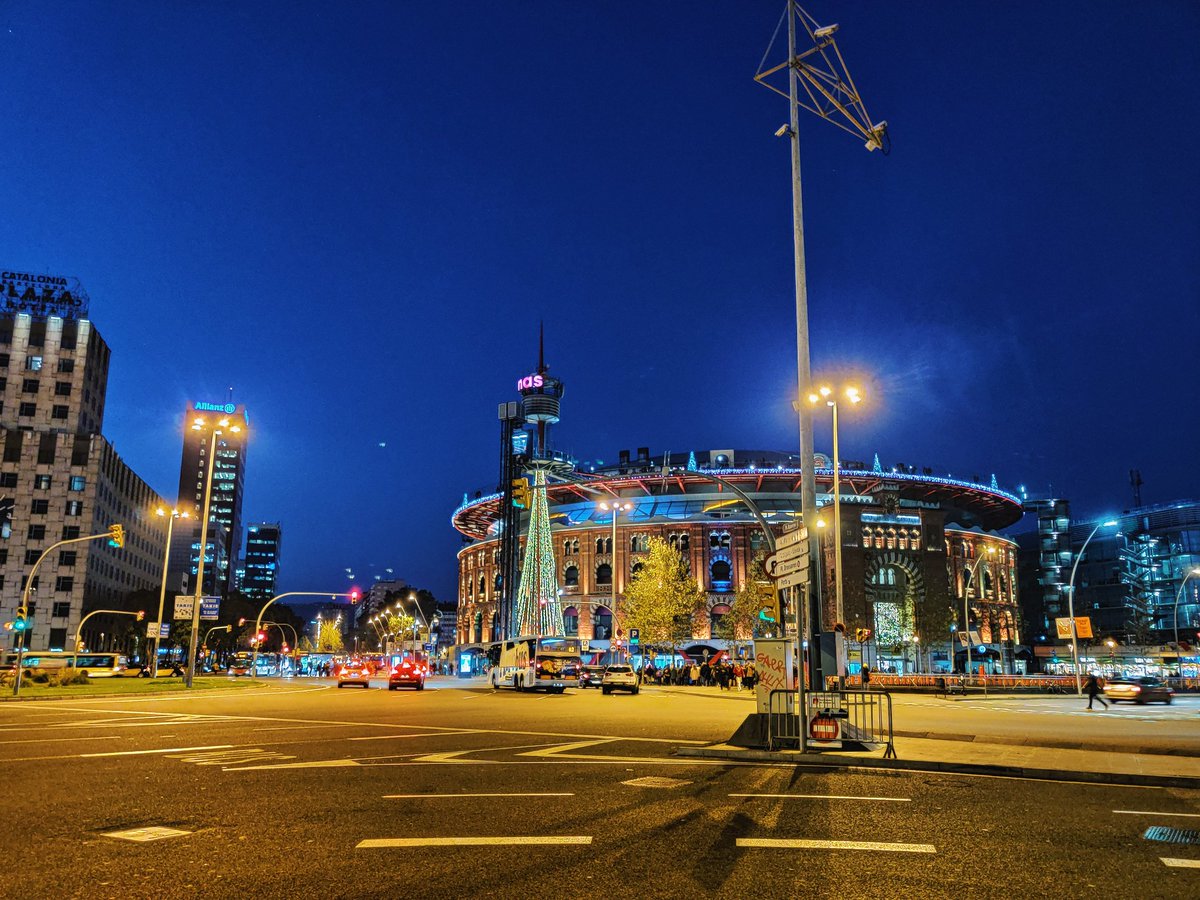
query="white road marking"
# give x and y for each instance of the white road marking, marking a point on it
(390, 737)
(504, 840)
(70, 740)
(163, 750)
(456, 796)
(824, 797)
(1150, 812)
(153, 833)
(1176, 863)
(803, 844)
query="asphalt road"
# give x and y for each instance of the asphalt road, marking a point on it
(311, 791)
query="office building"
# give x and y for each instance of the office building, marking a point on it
(262, 560)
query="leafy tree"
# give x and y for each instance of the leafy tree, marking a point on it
(662, 598)
(400, 626)
(742, 623)
(329, 638)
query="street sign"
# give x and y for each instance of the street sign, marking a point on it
(788, 565)
(1083, 627)
(635, 636)
(583, 645)
(184, 606)
(210, 607)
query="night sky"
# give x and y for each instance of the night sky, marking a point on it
(356, 214)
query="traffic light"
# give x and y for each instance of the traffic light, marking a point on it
(21, 620)
(520, 493)
(141, 615)
(241, 622)
(769, 609)
(862, 635)
(354, 595)
(261, 636)
(116, 536)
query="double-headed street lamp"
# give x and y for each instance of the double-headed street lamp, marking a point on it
(829, 396)
(616, 507)
(162, 593)
(215, 430)
(1071, 602)
(971, 573)
(1178, 594)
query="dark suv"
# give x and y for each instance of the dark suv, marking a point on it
(591, 676)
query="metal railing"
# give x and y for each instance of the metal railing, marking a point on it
(866, 717)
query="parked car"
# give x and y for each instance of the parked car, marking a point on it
(619, 678)
(1139, 690)
(591, 676)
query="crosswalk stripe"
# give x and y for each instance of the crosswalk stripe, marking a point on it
(805, 844)
(500, 840)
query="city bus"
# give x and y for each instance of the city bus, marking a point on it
(97, 665)
(535, 663)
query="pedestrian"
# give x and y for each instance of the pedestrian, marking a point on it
(866, 678)
(1092, 689)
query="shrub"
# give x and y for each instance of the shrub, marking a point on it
(64, 677)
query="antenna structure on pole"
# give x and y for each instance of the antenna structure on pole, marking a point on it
(822, 73)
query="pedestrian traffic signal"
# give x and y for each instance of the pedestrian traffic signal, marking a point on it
(520, 493)
(116, 536)
(769, 607)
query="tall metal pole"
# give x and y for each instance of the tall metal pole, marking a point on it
(162, 593)
(1178, 595)
(1071, 606)
(839, 611)
(192, 639)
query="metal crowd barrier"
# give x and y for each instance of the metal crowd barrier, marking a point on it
(866, 717)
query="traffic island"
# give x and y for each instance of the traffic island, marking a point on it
(120, 687)
(981, 759)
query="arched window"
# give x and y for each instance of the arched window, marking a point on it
(478, 628)
(571, 576)
(683, 543)
(602, 624)
(636, 567)
(639, 543)
(571, 621)
(567, 547)
(756, 540)
(714, 618)
(720, 575)
(604, 574)
(604, 545)
(987, 582)
(482, 585)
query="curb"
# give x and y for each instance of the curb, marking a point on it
(865, 764)
(1046, 743)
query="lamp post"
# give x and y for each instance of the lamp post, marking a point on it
(1071, 602)
(162, 593)
(616, 507)
(1178, 594)
(215, 430)
(971, 572)
(259, 620)
(828, 395)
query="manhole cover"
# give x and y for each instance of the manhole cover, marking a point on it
(153, 833)
(655, 781)
(1172, 835)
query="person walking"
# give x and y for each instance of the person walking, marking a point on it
(1093, 690)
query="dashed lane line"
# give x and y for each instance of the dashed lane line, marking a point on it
(460, 796)
(151, 752)
(805, 844)
(391, 737)
(1151, 812)
(823, 797)
(1176, 863)
(501, 840)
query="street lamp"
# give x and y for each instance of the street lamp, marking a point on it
(215, 431)
(971, 572)
(616, 507)
(162, 593)
(1071, 602)
(1178, 594)
(828, 396)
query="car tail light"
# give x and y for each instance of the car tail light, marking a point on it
(1136, 689)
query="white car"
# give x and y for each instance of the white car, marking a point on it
(619, 678)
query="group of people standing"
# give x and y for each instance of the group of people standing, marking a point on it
(723, 674)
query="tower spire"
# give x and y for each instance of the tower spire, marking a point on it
(541, 348)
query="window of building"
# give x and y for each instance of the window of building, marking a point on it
(604, 574)
(636, 567)
(41, 482)
(571, 621)
(47, 447)
(31, 556)
(62, 389)
(70, 532)
(64, 583)
(8, 479)
(33, 363)
(37, 532)
(604, 545)
(74, 507)
(66, 557)
(602, 624)
(27, 409)
(715, 615)
(39, 507)
(58, 411)
(571, 576)
(66, 366)
(78, 483)
(62, 609)
(12, 445)
(718, 540)
(29, 386)
(720, 575)
(639, 543)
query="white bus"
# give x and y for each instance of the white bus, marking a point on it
(97, 665)
(535, 663)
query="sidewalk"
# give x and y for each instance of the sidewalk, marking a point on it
(979, 758)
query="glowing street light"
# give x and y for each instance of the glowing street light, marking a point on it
(162, 593)
(1071, 602)
(971, 572)
(616, 507)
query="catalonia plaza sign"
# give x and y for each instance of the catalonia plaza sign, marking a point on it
(42, 295)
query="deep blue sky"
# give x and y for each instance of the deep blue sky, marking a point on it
(356, 214)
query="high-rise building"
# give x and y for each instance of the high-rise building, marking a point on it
(228, 485)
(262, 560)
(59, 478)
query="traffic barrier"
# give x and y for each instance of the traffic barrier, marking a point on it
(865, 718)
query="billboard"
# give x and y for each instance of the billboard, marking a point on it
(42, 295)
